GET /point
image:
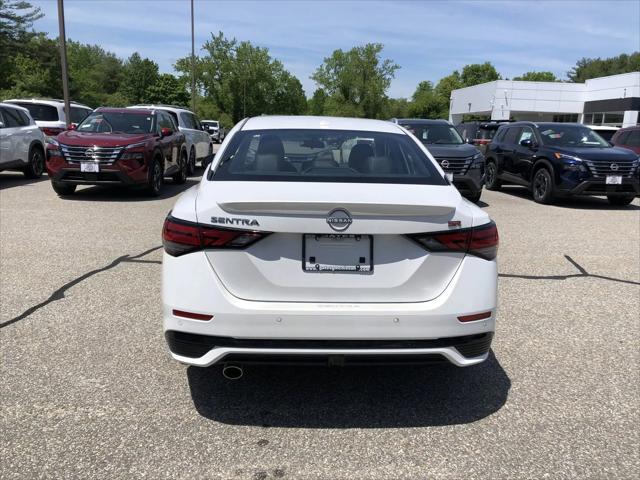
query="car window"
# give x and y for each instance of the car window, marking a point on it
(571, 136)
(174, 116)
(525, 134)
(434, 134)
(39, 111)
(187, 120)
(2, 121)
(633, 138)
(12, 118)
(79, 114)
(196, 122)
(622, 137)
(117, 122)
(510, 135)
(24, 118)
(326, 156)
(165, 121)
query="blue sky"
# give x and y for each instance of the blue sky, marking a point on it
(428, 39)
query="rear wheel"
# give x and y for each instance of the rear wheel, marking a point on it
(35, 169)
(474, 197)
(542, 186)
(63, 189)
(181, 175)
(620, 201)
(491, 181)
(155, 179)
(191, 165)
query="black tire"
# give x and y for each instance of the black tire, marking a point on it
(63, 189)
(491, 181)
(155, 178)
(474, 197)
(35, 169)
(180, 176)
(619, 200)
(542, 186)
(191, 164)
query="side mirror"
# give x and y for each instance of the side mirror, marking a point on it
(165, 132)
(527, 143)
(471, 141)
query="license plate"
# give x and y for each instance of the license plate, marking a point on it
(613, 180)
(337, 253)
(89, 167)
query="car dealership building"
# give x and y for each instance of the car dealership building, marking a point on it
(613, 100)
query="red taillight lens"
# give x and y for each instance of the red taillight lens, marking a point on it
(180, 237)
(51, 132)
(480, 241)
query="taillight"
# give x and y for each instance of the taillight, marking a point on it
(180, 237)
(51, 131)
(479, 241)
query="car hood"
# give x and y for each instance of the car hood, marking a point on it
(451, 151)
(599, 153)
(101, 139)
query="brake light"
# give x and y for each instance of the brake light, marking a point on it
(479, 241)
(180, 237)
(51, 131)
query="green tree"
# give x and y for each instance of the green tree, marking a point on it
(94, 74)
(356, 81)
(537, 77)
(138, 75)
(315, 105)
(168, 90)
(587, 68)
(426, 102)
(477, 73)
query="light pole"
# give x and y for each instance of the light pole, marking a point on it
(63, 62)
(193, 63)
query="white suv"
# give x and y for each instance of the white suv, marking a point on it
(327, 240)
(198, 142)
(213, 128)
(49, 113)
(21, 141)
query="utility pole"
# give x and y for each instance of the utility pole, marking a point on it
(63, 62)
(193, 63)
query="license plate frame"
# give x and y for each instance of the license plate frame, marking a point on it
(311, 247)
(89, 167)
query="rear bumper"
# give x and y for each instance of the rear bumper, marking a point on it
(629, 186)
(243, 328)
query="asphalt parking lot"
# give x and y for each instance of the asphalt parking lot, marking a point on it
(88, 389)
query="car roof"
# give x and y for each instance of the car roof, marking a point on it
(47, 101)
(173, 108)
(148, 111)
(627, 129)
(271, 122)
(422, 121)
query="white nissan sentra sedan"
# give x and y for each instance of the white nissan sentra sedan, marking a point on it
(329, 241)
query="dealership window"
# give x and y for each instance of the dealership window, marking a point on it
(566, 117)
(608, 118)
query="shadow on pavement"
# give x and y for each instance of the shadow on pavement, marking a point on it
(17, 179)
(582, 203)
(354, 397)
(128, 194)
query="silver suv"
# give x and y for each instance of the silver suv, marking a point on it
(49, 113)
(21, 141)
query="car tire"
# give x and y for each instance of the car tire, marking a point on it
(191, 165)
(155, 178)
(491, 181)
(474, 197)
(180, 176)
(542, 186)
(35, 169)
(620, 201)
(63, 189)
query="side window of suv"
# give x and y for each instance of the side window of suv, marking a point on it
(164, 121)
(11, 118)
(525, 134)
(510, 135)
(187, 120)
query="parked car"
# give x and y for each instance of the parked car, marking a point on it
(118, 146)
(21, 141)
(214, 129)
(49, 114)
(463, 161)
(561, 159)
(304, 244)
(198, 142)
(479, 134)
(628, 138)
(605, 131)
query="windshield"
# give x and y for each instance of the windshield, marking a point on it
(571, 136)
(325, 156)
(435, 134)
(117, 122)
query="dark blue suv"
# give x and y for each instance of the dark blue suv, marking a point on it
(561, 159)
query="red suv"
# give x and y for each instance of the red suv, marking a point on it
(628, 138)
(118, 146)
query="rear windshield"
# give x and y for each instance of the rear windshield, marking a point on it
(39, 111)
(325, 156)
(117, 122)
(435, 134)
(571, 136)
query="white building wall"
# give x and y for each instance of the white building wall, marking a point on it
(616, 86)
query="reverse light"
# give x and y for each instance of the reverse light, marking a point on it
(180, 237)
(481, 241)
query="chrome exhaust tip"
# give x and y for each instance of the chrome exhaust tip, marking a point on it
(232, 372)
